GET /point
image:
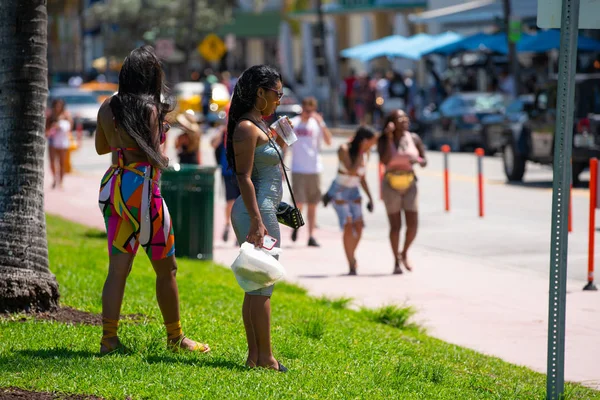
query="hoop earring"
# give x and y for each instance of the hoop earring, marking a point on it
(264, 108)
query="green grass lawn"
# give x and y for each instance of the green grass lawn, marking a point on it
(332, 352)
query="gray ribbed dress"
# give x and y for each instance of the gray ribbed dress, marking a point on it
(266, 177)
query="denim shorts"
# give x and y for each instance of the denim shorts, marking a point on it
(266, 291)
(351, 208)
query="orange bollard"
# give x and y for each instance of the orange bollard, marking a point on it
(446, 150)
(592, 222)
(479, 152)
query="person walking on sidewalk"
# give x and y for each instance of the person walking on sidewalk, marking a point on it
(58, 131)
(131, 125)
(306, 162)
(232, 191)
(254, 155)
(399, 150)
(345, 193)
(187, 143)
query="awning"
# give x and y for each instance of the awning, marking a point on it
(460, 45)
(399, 46)
(550, 40)
(434, 15)
(364, 6)
(252, 25)
(539, 43)
(363, 51)
(476, 12)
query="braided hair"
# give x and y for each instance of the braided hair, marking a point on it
(244, 97)
(139, 104)
(363, 133)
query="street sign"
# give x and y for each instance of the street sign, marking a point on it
(550, 13)
(514, 29)
(212, 48)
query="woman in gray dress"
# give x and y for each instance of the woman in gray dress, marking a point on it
(252, 153)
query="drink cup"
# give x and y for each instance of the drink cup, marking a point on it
(283, 128)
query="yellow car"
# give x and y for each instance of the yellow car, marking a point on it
(189, 97)
(102, 90)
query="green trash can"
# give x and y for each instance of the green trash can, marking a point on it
(189, 191)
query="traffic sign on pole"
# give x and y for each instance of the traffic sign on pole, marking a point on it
(550, 13)
(563, 146)
(212, 48)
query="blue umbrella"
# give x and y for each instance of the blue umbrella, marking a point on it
(411, 48)
(358, 52)
(468, 43)
(495, 43)
(383, 47)
(550, 40)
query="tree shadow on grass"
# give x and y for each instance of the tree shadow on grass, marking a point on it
(58, 353)
(61, 354)
(95, 234)
(199, 362)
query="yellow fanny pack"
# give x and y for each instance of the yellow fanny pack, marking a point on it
(400, 180)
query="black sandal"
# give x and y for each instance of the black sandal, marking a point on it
(281, 368)
(352, 268)
(397, 269)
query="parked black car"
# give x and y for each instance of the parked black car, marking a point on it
(529, 134)
(459, 122)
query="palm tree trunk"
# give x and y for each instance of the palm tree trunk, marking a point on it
(26, 283)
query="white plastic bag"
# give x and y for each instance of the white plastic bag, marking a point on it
(256, 268)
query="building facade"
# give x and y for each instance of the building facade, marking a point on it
(65, 45)
(347, 23)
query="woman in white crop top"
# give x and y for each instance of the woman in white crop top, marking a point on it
(399, 150)
(345, 193)
(58, 131)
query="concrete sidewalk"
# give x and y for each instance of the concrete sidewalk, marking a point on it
(497, 311)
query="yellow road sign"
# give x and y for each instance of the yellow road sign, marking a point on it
(212, 48)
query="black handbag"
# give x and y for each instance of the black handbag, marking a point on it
(287, 214)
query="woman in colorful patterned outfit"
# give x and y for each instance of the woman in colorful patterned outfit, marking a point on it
(131, 125)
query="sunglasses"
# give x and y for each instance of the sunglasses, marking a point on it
(279, 94)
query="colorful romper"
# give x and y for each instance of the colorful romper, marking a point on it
(134, 210)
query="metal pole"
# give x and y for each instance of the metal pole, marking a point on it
(190, 39)
(559, 239)
(513, 60)
(328, 70)
(592, 223)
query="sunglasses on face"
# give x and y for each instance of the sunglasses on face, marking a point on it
(279, 94)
